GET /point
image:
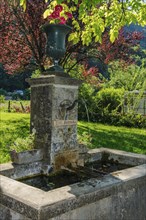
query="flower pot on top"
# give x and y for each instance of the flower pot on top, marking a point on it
(55, 48)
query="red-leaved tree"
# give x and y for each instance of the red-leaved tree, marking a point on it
(21, 41)
(121, 49)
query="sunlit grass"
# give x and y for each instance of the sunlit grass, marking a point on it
(122, 138)
(14, 125)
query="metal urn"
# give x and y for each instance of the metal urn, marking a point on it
(55, 48)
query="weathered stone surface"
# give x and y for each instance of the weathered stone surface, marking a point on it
(66, 158)
(121, 156)
(15, 171)
(7, 214)
(41, 104)
(119, 195)
(25, 157)
(52, 79)
(124, 203)
(54, 115)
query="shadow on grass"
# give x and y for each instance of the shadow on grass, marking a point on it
(116, 139)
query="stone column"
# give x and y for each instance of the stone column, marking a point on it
(54, 101)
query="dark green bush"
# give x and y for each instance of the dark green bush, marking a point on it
(132, 120)
(26, 94)
(17, 96)
(3, 92)
(119, 119)
(106, 106)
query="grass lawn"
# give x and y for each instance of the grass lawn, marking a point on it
(121, 138)
(14, 125)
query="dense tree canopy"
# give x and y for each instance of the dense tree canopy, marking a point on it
(22, 41)
(97, 15)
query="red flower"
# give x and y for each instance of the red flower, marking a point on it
(58, 8)
(55, 14)
(62, 20)
(50, 16)
(69, 15)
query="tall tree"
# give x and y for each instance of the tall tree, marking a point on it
(122, 48)
(23, 42)
(21, 39)
(97, 15)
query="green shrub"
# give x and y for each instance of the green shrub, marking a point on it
(16, 96)
(3, 92)
(86, 101)
(2, 98)
(106, 106)
(36, 73)
(27, 94)
(132, 120)
(130, 77)
(119, 119)
(108, 100)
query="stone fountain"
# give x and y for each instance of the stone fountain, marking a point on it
(113, 195)
(54, 119)
(116, 195)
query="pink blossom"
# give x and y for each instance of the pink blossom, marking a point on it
(69, 15)
(50, 16)
(62, 20)
(58, 8)
(55, 14)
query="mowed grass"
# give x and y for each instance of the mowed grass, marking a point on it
(14, 125)
(121, 138)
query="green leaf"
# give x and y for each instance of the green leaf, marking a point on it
(76, 24)
(74, 38)
(113, 35)
(23, 4)
(46, 13)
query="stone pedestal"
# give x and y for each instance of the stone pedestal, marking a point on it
(54, 101)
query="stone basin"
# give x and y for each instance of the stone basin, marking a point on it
(117, 195)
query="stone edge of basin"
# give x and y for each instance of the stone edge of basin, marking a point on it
(35, 203)
(124, 157)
